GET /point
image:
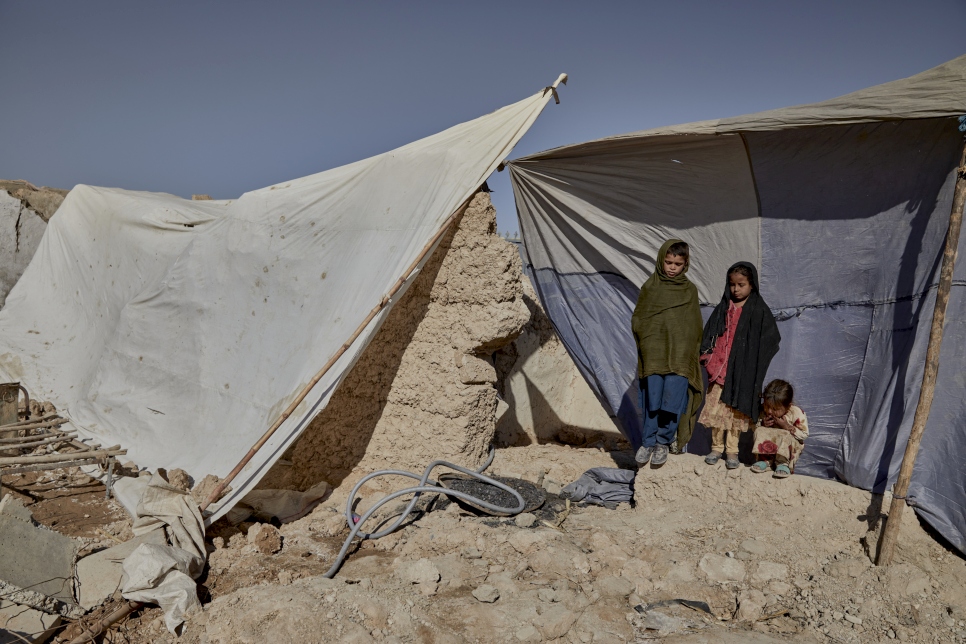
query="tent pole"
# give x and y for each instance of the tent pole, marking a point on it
(891, 532)
(216, 493)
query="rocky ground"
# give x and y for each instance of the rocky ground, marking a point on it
(775, 560)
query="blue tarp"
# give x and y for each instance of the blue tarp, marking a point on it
(846, 219)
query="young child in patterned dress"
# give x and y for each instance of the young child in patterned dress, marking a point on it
(781, 431)
(740, 340)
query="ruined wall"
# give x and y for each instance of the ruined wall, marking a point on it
(547, 398)
(423, 388)
(24, 212)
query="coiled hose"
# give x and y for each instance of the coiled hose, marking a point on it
(425, 485)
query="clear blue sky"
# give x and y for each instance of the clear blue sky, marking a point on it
(220, 98)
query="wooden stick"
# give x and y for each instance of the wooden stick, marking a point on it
(48, 466)
(55, 439)
(54, 458)
(49, 423)
(18, 424)
(891, 533)
(33, 437)
(216, 493)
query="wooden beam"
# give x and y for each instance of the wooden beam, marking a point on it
(890, 535)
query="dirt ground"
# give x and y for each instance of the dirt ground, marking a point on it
(775, 560)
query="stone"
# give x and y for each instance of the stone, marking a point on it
(99, 574)
(203, 488)
(526, 542)
(180, 479)
(768, 570)
(43, 558)
(265, 537)
(556, 621)
(751, 602)
(472, 553)
(718, 568)
(853, 619)
(11, 506)
(548, 595)
(525, 520)
(22, 624)
(528, 633)
(486, 594)
(476, 370)
(755, 547)
(422, 572)
(611, 586)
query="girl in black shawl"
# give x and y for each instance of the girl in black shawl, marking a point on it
(740, 340)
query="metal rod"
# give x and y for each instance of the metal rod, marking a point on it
(891, 533)
(216, 493)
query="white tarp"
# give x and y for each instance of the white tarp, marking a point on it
(181, 329)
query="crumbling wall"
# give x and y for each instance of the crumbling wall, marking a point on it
(423, 388)
(547, 398)
(24, 213)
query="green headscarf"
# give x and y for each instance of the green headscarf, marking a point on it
(667, 327)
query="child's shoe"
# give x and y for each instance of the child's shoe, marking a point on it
(731, 461)
(759, 467)
(643, 455)
(712, 458)
(782, 472)
(660, 455)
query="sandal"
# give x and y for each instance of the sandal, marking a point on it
(782, 472)
(759, 467)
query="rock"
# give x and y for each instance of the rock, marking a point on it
(750, 605)
(768, 570)
(556, 621)
(548, 595)
(526, 543)
(528, 633)
(180, 479)
(755, 547)
(486, 594)
(265, 537)
(847, 568)
(285, 577)
(11, 506)
(853, 619)
(424, 574)
(719, 568)
(205, 487)
(472, 553)
(779, 588)
(475, 370)
(611, 586)
(525, 520)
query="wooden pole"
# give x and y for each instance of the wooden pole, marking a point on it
(889, 536)
(216, 493)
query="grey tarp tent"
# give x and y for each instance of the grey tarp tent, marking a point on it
(842, 204)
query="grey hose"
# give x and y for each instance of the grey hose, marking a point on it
(425, 485)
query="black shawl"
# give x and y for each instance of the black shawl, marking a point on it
(755, 344)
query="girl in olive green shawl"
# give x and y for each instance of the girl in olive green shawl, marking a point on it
(667, 327)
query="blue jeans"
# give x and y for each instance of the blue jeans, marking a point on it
(663, 400)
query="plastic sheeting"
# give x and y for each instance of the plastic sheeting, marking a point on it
(846, 220)
(181, 329)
